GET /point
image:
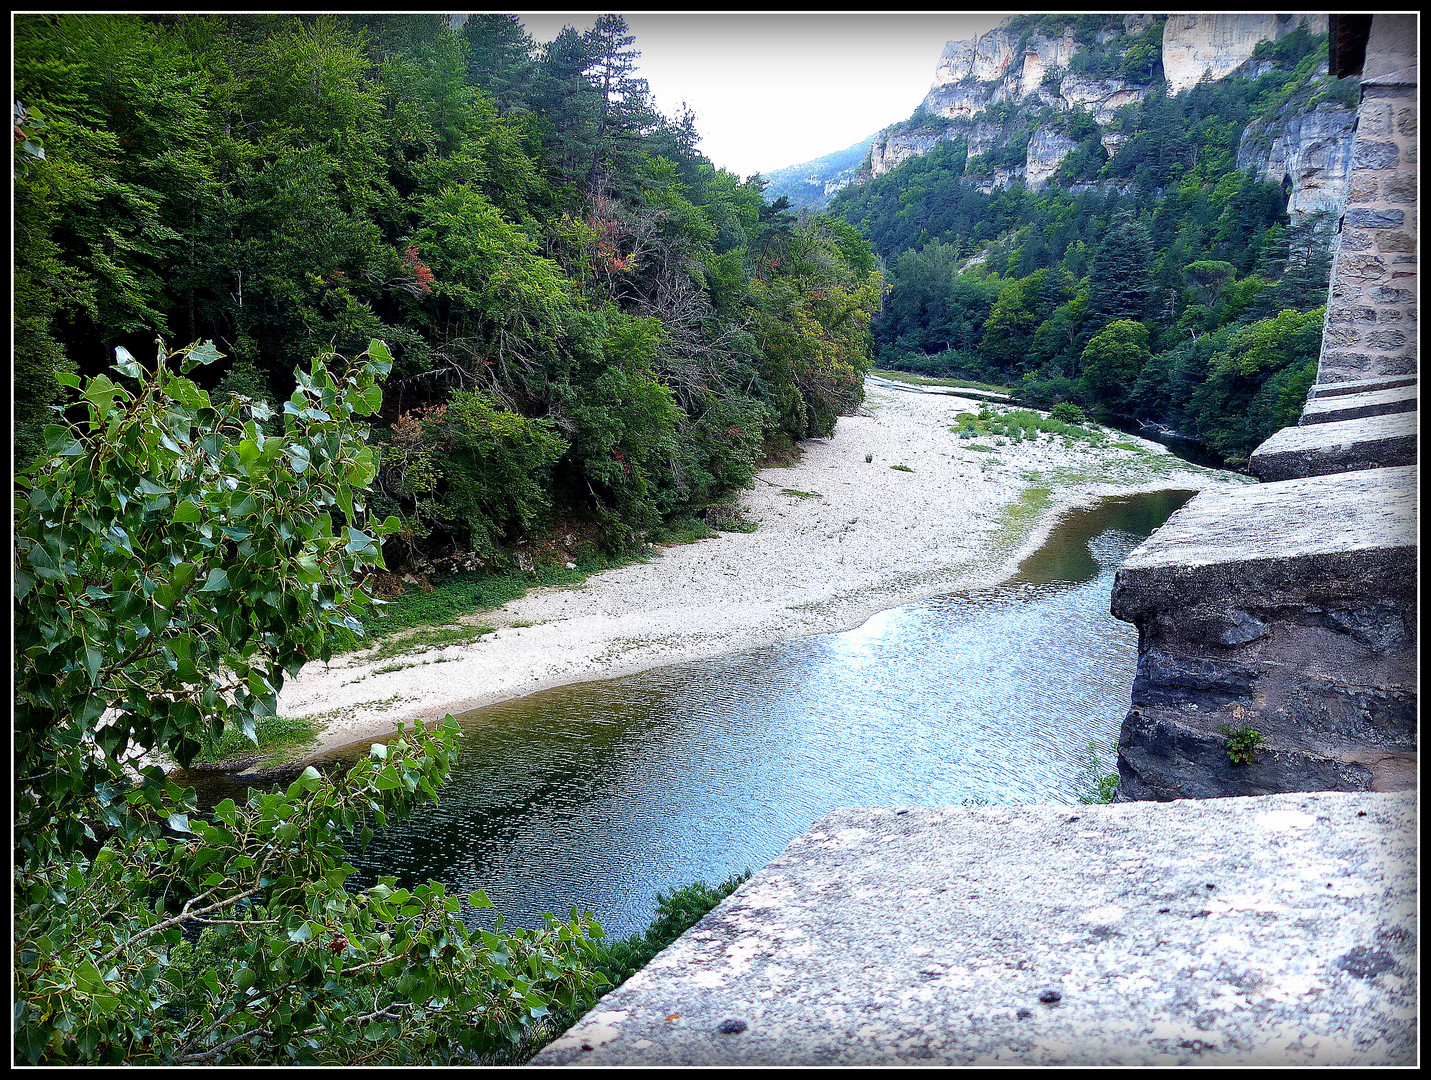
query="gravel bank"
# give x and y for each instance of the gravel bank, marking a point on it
(839, 539)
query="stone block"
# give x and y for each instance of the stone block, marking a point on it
(1367, 403)
(1348, 364)
(1365, 218)
(1374, 119)
(1356, 241)
(1386, 294)
(1400, 189)
(1343, 313)
(1365, 267)
(1336, 389)
(1375, 155)
(1386, 339)
(1363, 188)
(1276, 931)
(1371, 442)
(1396, 241)
(1340, 335)
(1406, 122)
(1330, 542)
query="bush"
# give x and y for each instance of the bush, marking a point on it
(172, 564)
(1069, 413)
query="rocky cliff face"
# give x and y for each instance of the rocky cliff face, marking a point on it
(1201, 47)
(1310, 151)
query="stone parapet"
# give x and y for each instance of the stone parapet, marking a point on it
(1261, 931)
(1330, 408)
(1383, 382)
(1372, 442)
(1287, 609)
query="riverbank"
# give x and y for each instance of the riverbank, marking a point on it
(893, 508)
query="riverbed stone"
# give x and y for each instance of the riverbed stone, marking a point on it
(1326, 410)
(1274, 930)
(1370, 442)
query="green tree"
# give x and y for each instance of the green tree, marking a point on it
(172, 563)
(1112, 361)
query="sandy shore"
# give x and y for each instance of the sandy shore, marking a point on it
(863, 537)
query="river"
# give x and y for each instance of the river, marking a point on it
(602, 794)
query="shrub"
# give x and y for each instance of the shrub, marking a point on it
(172, 563)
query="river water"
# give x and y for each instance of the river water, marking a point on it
(602, 794)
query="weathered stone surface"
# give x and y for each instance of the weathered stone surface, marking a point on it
(1357, 386)
(1371, 442)
(1325, 410)
(1324, 540)
(1265, 931)
(1168, 753)
(1365, 218)
(1288, 607)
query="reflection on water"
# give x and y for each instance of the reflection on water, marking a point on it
(602, 794)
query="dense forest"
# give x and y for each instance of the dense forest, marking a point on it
(1159, 281)
(443, 292)
(588, 321)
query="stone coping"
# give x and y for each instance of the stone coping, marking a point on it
(1351, 533)
(1273, 930)
(1323, 410)
(1368, 442)
(1357, 386)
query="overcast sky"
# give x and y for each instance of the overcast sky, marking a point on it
(771, 90)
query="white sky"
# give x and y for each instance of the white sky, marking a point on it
(771, 90)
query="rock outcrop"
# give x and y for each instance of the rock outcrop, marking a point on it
(1308, 151)
(1197, 48)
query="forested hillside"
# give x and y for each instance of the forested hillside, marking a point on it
(588, 321)
(1148, 274)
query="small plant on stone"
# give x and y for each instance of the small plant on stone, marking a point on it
(1097, 782)
(902, 468)
(869, 458)
(1241, 743)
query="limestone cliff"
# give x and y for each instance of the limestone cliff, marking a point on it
(980, 87)
(1309, 152)
(1201, 47)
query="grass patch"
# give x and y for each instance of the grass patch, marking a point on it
(1024, 425)
(902, 468)
(1098, 783)
(1130, 446)
(455, 595)
(1018, 517)
(794, 494)
(277, 736)
(425, 638)
(682, 530)
(981, 448)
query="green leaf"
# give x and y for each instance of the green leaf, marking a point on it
(186, 513)
(302, 934)
(125, 364)
(218, 581)
(179, 822)
(479, 899)
(88, 979)
(66, 378)
(93, 661)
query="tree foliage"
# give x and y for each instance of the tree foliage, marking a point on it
(172, 563)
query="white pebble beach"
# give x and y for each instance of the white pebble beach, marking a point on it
(839, 539)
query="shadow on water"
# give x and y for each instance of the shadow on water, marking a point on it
(602, 794)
